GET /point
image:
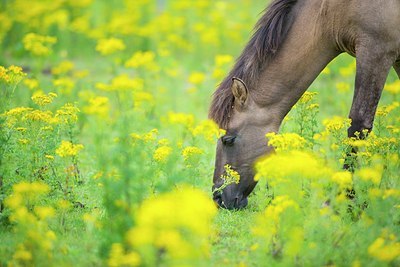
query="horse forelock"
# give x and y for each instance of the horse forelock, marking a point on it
(270, 32)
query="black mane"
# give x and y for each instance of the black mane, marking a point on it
(270, 32)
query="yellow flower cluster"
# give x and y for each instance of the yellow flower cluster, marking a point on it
(141, 98)
(63, 68)
(68, 114)
(11, 75)
(119, 257)
(286, 141)
(142, 60)
(291, 163)
(178, 223)
(64, 84)
(343, 179)
(122, 83)
(18, 111)
(41, 99)
(40, 115)
(230, 176)
(349, 70)
(269, 225)
(181, 118)
(162, 153)
(34, 238)
(385, 248)
(147, 137)
(307, 97)
(343, 87)
(393, 88)
(31, 83)
(38, 45)
(197, 77)
(68, 149)
(221, 60)
(336, 124)
(110, 46)
(373, 175)
(190, 152)
(98, 105)
(385, 110)
(208, 129)
(221, 63)
(24, 193)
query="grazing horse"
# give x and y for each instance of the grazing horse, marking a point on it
(293, 42)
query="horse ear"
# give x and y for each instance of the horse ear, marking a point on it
(239, 90)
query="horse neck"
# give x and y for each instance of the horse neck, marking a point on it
(303, 55)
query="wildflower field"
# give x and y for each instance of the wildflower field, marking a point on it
(107, 155)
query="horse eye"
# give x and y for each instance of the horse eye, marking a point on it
(228, 140)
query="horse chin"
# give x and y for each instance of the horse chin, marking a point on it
(233, 205)
(234, 196)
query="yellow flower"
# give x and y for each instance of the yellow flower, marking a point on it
(393, 88)
(22, 254)
(307, 97)
(385, 110)
(39, 115)
(208, 129)
(349, 70)
(67, 149)
(140, 98)
(44, 212)
(110, 46)
(178, 222)
(31, 83)
(98, 105)
(296, 240)
(12, 74)
(119, 257)
(18, 111)
(312, 106)
(41, 99)
(326, 71)
(150, 136)
(391, 193)
(162, 153)
(292, 163)
(68, 113)
(286, 141)
(384, 250)
(122, 83)
(336, 124)
(64, 84)
(142, 59)
(221, 60)
(343, 87)
(25, 192)
(197, 77)
(23, 141)
(190, 152)
(373, 175)
(267, 224)
(343, 179)
(230, 176)
(38, 45)
(180, 118)
(62, 68)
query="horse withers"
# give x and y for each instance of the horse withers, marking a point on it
(293, 42)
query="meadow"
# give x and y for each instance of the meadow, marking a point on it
(107, 155)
